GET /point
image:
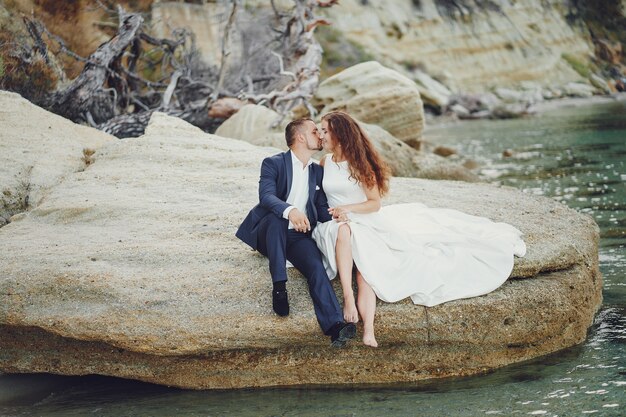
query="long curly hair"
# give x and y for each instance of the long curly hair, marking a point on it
(366, 164)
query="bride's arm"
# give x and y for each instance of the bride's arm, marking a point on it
(371, 205)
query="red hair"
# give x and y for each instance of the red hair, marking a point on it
(366, 165)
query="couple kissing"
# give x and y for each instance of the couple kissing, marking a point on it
(327, 220)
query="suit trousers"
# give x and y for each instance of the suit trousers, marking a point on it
(279, 243)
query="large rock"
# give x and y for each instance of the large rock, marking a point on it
(255, 124)
(578, 90)
(432, 92)
(406, 161)
(130, 268)
(376, 95)
(37, 150)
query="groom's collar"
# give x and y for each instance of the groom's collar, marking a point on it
(297, 162)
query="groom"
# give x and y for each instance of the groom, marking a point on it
(291, 202)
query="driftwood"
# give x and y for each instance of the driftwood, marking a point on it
(279, 68)
(85, 98)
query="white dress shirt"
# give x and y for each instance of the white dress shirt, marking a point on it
(299, 191)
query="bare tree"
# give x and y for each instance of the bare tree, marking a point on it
(277, 65)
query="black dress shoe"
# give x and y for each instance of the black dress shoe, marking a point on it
(280, 302)
(340, 333)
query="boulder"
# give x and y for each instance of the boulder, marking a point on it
(375, 95)
(578, 90)
(406, 161)
(444, 151)
(475, 103)
(225, 107)
(600, 83)
(509, 96)
(37, 150)
(130, 268)
(432, 92)
(253, 123)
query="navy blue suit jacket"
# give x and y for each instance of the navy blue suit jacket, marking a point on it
(274, 186)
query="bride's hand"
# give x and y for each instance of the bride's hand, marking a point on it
(339, 214)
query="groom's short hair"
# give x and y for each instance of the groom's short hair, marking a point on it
(293, 128)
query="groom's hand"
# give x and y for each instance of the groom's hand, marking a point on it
(299, 220)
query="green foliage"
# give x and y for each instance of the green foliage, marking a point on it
(150, 64)
(339, 52)
(1, 67)
(578, 65)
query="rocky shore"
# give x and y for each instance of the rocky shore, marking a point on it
(128, 266)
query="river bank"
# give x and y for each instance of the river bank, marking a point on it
(538, 108)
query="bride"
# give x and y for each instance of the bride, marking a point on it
(432, 255)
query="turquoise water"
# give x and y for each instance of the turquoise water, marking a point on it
(575, 155)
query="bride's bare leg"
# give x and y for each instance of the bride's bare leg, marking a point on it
(343, 255)
(367, 308)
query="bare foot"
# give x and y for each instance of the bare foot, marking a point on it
(368, 336)
(369, 340)
(350, 313)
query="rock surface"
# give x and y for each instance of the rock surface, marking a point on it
(578, 90)
(37, 152)
(406, 161)
(253, 123)
(375, 95)
(479, 44)
(130, 268)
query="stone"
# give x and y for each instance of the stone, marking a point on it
(225, 107)
(527, 96)
(475, 103)
(509, 96)
(253, 123)
(432, 92)
(578, 90)
(600, 83)
(375, 95)
(37, 150)
(444, 151)
(405, 161)
(511, 111)
(130, 268)
(459, 110)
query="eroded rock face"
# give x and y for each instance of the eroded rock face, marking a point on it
(375, 95)
(37, 150)
(473, 45)
(130, 268)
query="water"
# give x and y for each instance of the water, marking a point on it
(575, 155)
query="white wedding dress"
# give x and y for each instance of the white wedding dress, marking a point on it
(432, 255)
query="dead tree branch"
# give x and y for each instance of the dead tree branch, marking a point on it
(272, 60)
